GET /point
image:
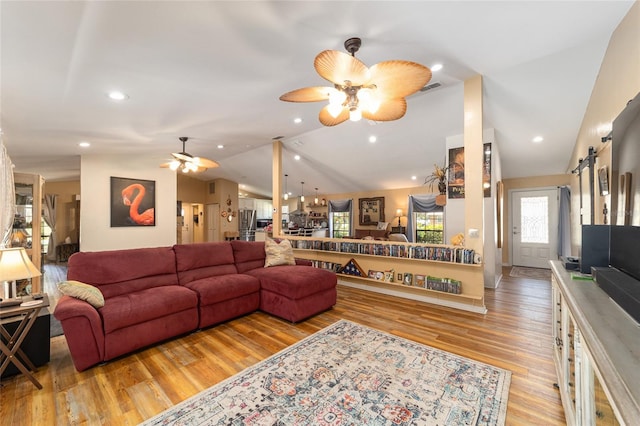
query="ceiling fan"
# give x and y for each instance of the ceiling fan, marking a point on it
(187, 162)
(377, 93)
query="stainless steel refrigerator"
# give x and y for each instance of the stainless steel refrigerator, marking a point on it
(247, 224)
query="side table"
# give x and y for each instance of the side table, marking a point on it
(398, 229)
(11, 342)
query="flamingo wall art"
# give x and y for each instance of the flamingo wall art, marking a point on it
(132, 202)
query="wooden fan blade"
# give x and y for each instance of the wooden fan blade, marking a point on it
(206, 163)
(328, 120)
(389, 110)
(398, 79)
(165, 165)
(338, 67)
(307, 94)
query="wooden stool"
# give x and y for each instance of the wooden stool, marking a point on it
(231, 235)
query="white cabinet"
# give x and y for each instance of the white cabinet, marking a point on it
(264, 209)
(595, 351)
(246, 204)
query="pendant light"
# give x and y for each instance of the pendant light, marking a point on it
(315, 200)
(286, 194)
(302, 192)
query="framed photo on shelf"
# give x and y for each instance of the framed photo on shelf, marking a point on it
(388, 276)
(371, 210)
(408, 278)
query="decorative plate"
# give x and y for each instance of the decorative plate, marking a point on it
(223, 213)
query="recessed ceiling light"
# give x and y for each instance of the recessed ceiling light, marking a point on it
(373, 139)
(84, 144)
(297, 157)
(436, 67)
(297, 120)
(414, 177)
(220, 146)
(538, 139)
(117, 96)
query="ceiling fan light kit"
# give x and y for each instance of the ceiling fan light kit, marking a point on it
(377, 93)
(186, 162)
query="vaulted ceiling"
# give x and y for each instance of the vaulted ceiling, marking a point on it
(213, 71)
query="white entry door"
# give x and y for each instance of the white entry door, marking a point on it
(534, 227)
(213, 222)
(187, 224)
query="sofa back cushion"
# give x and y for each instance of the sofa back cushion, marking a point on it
(248, 254)
(202, 260)
(117, 272)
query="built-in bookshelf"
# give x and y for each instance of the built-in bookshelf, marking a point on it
(446, 275)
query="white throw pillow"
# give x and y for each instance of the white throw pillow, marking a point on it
(278, 253)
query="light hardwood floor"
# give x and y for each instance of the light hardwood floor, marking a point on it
(515, 335)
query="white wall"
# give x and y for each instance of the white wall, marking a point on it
(96, 232)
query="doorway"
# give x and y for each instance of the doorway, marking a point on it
(534, 227)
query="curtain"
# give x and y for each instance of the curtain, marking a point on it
(340, 206)
(420, 204)
(49, 216)
(7, 197)
(564, 222)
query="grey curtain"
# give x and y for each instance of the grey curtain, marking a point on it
(341, 206)
(564, 221)
(7, 197)
(49, 216)
(420, 204)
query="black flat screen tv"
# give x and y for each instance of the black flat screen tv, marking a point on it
(624, 250)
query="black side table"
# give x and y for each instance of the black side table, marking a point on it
(15, 324)
(398, 229)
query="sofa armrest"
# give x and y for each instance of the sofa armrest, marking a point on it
(304, 262)
(82, 327)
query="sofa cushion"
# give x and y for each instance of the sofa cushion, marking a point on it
(225, 287)
(248, 255)
(294, 282)
(202, 260)
(278, 253)
(120, 272)
(140, 306)
(82, 291)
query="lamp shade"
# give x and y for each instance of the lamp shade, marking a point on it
(16, 265)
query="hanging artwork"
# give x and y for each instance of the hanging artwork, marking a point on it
(133, 202)
(456, 172)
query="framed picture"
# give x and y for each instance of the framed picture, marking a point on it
(408, 278)
(371, 210)
(603, 180)
(388, 276)
(376, 275)
(133, 202)
(456, 173)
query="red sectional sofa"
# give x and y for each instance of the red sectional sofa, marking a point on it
(153, 294)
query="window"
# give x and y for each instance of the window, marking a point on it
(429, 227)
(341, 224)
(534, 220)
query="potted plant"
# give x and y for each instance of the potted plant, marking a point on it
(439, 176)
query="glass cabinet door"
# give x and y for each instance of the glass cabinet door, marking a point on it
(26, 226)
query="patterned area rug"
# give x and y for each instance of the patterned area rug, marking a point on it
(348, 374)
(533, 273)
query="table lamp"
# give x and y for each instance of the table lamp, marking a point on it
(399, 215)
(15, 265)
